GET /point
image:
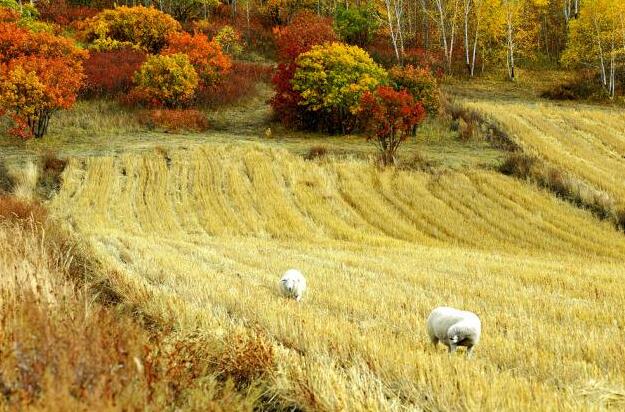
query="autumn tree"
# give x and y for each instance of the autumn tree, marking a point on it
(389, 117)
(39, 74)
(142, 27)
(357, 24)
(205, 55)
(331, 78)
(597, 39)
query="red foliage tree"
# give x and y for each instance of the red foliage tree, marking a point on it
(390, 116)
(306, 30)
(110, 73)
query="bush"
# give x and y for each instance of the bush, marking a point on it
(356, 25)
(175, 120)
(206, 56)
(331, 80)
(110, 73)
(63, 12)
(306, 30)
(238, 84)
(390, 116)
(142, 27)
(421, 84)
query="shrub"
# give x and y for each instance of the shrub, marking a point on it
(241, 82)
(420, 83)
(143, 27)
(306, 30)
(331, 80)
(390, 116)
(230, 40)
(175, 120)
(206, 56)
(110, 73)
(166, 80)
(63, 12)
(356, 25)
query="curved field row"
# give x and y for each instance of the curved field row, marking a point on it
(200, 238)
(587, 141)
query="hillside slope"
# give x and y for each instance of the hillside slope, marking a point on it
(200, 237)
(587, 141)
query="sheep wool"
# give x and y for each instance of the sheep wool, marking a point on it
(293, 284)
(454, 328)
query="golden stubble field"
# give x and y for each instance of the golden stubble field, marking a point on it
(587, 141)
(199, 238)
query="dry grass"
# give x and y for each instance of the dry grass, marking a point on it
(60, 350)
(198, 239)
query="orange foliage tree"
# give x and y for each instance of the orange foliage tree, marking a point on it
(206, 56)
(39, 74)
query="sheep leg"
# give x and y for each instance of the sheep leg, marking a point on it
(452, 348)
(469, 352)
(298, 298)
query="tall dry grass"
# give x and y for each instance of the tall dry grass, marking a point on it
(198, 239)
(60, 349)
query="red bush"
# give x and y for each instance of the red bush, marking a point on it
(63, 13)
(238, 84)
(111, 73)
(306, 30)
(175, 120)
(390, 116)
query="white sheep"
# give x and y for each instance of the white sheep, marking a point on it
(293, 284)
(454, 328)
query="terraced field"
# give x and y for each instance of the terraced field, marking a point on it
(585, 140)
(199, 238)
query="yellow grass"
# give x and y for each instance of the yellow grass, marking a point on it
(587, 141)
(199, 238)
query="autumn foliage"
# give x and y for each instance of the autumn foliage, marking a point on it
(143, 27)
(40, 74)
(169, 81)
(331, 79)
(306, 30)
(110, 73)
(390, 116)
(421, 84)
(205, 55)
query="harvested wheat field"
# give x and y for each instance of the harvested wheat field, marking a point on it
(587, 141)
(198, 239)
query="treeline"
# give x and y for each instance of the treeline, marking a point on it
(459, 37)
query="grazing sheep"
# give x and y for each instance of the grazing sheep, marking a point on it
(293, 284)
(454, 328)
